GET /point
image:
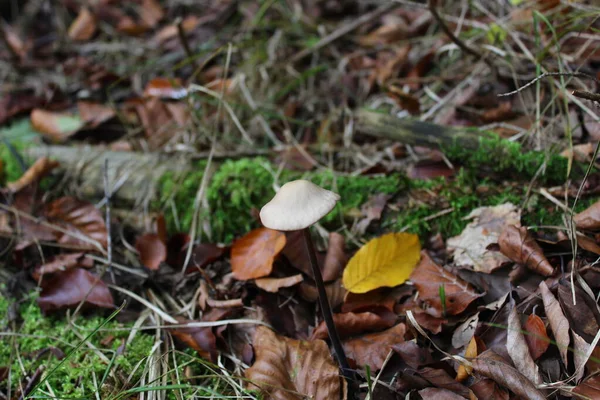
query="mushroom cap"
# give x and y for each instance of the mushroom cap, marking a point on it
(297, 205)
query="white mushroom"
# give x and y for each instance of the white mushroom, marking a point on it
(297, 205)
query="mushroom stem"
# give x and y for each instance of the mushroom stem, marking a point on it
(325, 307)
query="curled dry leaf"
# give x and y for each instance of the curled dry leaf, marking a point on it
(518, 245)
(373, 349)
(152, 250)
(37, 171)
(559, 324)
(588, 218)
(352, 324)
(537, 339)
(83, 27)
(69, 288)
(252, 256)
(62, 262)
(471, 246)
(492, 366)
(428, 277)
(274, 284)
(516, 345)
(335, 292)
(590, 389)
(288, 369)
(386, 261)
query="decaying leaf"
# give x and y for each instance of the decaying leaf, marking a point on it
(62, 262)
(152, 250)
(274, 284)
(518, 245)
(590, 389)
(439, 394)
(335, 258)
(57, 127)
(492, 366)
(428, 277)
(386, 261)
(203, 340)
(84, 26)
(463, 334)
(372, 349)
(517, 349)
(439, 378)
(580, 349)
(485, 388)
(582, 316)
(69, 288)
(589, 218)
(94, 114)
(252, 256)
(335, 292)
(288, 369)
(37, 171)
(537, 339)
(558, 322)
(352, 324)
(471, 246)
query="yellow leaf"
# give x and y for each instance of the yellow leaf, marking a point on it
(465, 370)
(385, 261)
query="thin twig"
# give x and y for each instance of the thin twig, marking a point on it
(185, 43)
(545, 74)
(107, 196)
(587, 95)
(345, 29)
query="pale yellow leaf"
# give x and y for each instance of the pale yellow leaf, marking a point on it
(385, 261)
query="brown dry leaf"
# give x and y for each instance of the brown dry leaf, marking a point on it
(13, 40)
(37, 171)
(518, 245)
(188, 24)
(588, 218)
(62, 262)
(169, 88)
(151, 12)
(69, 288)
(440, 378)
(57, 127)
(203, 254)
(517, 349)
(371, 211)
(152, 250)
(335, 258)
(471, 246)
(488, 389)
(372, 349)
(580, 349)
(273, 285)
(428, 277)
(394, 28)
(581, 152)
(492, 366)
(463, 334)
(471, 352)
(81, 222)
(83, 27)
(439, 394)
(252, 255)
(590, 389)
(13, 104)
(593, 364)
(288, 369)
(413, 355)
(335, 292)
(580, 314)
(558, 322)
(537, 339)
(352, 324)
(94, 114)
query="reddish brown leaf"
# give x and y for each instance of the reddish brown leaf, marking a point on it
(62, 262)
(588, 218)
(13, 104)
(203, 340)
(83, 27)
(580, 314)
(518, 245)
(335, 292)
(372, 349)
(151, 12)
(536, 337)
(413, 355)
(69, 288)
(488, 389)
(37, 171)
(439, 394)
(94, 114)
(516, 345)
(165, 88)
(203, 254)
(441, 379)
(558, 322)
(590, 389)
(297, 159)
(371, 211)
(428, 277)
(252, 256)
(188, 24)
(351, 324)
(81, 222)
(492, 366)
(593, 364)
(335, 259)
(152, 250)
(274, 284)
(286, 369)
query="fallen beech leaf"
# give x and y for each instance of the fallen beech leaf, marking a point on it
(518, 245)
(252, 256)
(94, 114)
(580, 314)
(372, 349)
(62, 262)
(203, 254)
(37, 171)
(288, 369)
(492, 366)
(165, 88)
(413, 355)
(57, 127)
(428, 277)
(593, 364)
(69, 288)
(352, 324)
(151, 12)
(516, 345)
(471, 246)
(335, 292)
(588, 218)
(440, 378)
(203, 340)
(335, 259)
(590, 389)
(439, 394)
(385, 261)
(273, 285)
(471, 352)
(558, 322)
(537, 339)
(13, 40)
(84, 26)
(152, 250)
(79, 220)
(371, 211)
(486, 388)
(580, 349)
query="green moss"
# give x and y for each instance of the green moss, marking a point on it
(11, 170)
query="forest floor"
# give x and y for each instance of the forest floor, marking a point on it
(140, 140)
